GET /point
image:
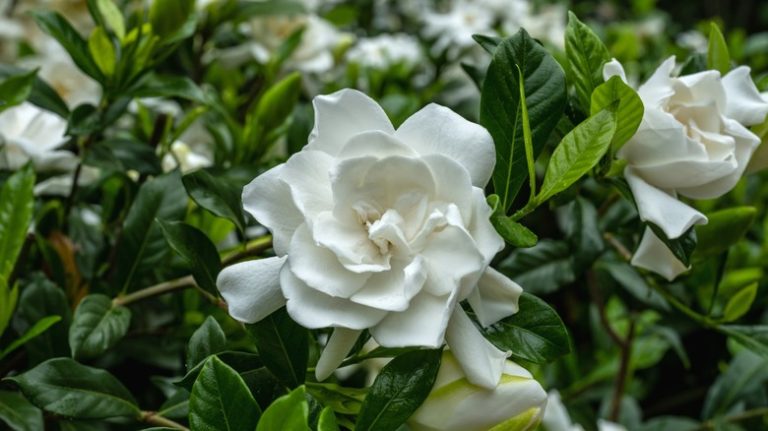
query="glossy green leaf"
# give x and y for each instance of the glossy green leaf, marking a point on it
(513, 232)
(143, 245)
(289, 412)
(97, 325)
(724, 229)
(220, 400)
(745, 374)
(243, 362)
(755, 338)
(16, 89)
(41, 298)
(534, 334)
(64, 387)
(42, 94)
(102, 51)
(37, 329)
(579, 222)
(399, 389)
(586, 56)
(18, 413)
(530, 161)
(207, 340)
(283, 347)
(623, 100)
(197, 250)
(500, 112)
(112, 16)
(278, 101)
(327, 420)
(718, 57)
(541, 269)
(8, 298)
(216, 195)
(16, 205)
(488, 43)
(60, 29)
(740, 303)
(154, 85)
(577, 153)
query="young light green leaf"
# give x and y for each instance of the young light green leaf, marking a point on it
(586, 55)
(740, 303)
(57, 26)
(16, 204)
(724, 229)
(8, 298)
(102, 51)
(513, 232)
(16, 89)
(535, 334)
(500, 113)
(327, 420)
(207, 340)
(283, 346)
(38, 328)
(197, 250)
(278, 102)
(18, 413)
(64, 387)
(220, 400)
(527, 140)
(216, 195)
(718, 57)
(112, 16)
(399, 389)
(627, 105)
(153, 85)
(97, 325)
(577, 153)
(289, 412)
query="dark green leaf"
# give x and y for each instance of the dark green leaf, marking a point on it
(746, 373)
(246, 9)
(670, 423)
(513, 232)
(283, 347)
(718, 57)
(122, 155)
(755, 338)
(740, 303)
(243, 362)
(633, 283)
(724, 229)
(682, 247)
(623, 100)
(38, 299)
(220, 400)
(535, 334)
(207, 340)
(541, 269)
(168, 86)
(18, 413)
(289, 413)
(217, 195)
(577, 153)
(64, 387)
(57, 26)
(98, 325)
(16, 204)
(84, 120)
(278, 102)
(42, 94)
(143, 244)
(399, 389)
(579, 222)
(586, 55)
(16, 89)
(37, 329)
(197, 250)
(489, 43)
(169, 16)
(500, 112)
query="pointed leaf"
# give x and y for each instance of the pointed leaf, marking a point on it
(220, 400)
(207, 340)
(289, 412)
(586, 55)
(740, 303)
(217, 195)
(38, 328)
(18, 413)
(718, 57)
(57, 26)
(16, 204)
(283, 347)
(197, 250)
(615, 94)
(16, 89)
(98, 325)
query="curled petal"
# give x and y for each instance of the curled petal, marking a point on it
(392, 290)
(495, 298)
(653, 255)
(374, 143)
(659, 87)
(744, 103)
(614, 68)
(481, 361)
(307, 175)
(339, 344)
(252, 289)
(422, 324)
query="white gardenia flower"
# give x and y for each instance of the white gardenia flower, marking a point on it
(380, 229)
(385, 51)
(454, 404)
(556, 417)
(453, 30)
(185, 158)
(547, 24)
(691, 142)
(30, 133)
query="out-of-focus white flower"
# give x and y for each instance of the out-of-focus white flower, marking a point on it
(547, 24)
(693, 40)
(556, 417)
(453, 30)
(61, 185)
(385, 51)
(30, 133)
(692, 142)
(454, 404)
(380, 229)
(604, 425)
(183, 156)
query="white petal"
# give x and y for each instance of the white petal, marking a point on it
(268, 199)
(436, 129)
(743, 103)
(662, 209)
(658, 89)
(604, 425)
(556, 416)
(453, 182)
(422, 324)
(340, 116)
(614, 68)
(252, 289)
(652, 254)
(307, 174)
(488, 241)
(680, 174)
(349, 241)
(659, 139)
(320, 269)
(700, 88)
(314, 309)
(375, 143)
(339, 344)
(495, 298)
(452, 257)
(392, 290)
(481, 361)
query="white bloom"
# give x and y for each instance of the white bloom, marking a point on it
(692, 142)
(556, 417)
(30, 133)
(454, 404)
(381, 229)
(385, 51)
(547, 24)
(184, 157)
(693, 40)
(453, 30)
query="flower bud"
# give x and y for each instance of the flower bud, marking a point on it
(516, 404)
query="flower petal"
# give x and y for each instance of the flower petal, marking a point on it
(488, 241)
(481, 361)
(743, 104)
(495, 298)
(660, 139)
(339, 344)
(307, 175)
(452, 258)
(422, 324)
(268, 199)
(653, 255)
(614, 68)
(340, 116)
(662, 209)
(252, 289)
(436, 129)
(314, 309)
(658, 89)
(453, 183)
(374, 143)
(392, 290)
(349, 241)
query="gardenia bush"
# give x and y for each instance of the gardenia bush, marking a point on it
(460, 215)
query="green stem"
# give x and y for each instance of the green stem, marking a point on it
(252, 248)
(158, 289)
(153, 418)
(749, 414)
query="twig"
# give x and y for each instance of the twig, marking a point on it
(158, 289)
(618, 246)
(749, 414)
(597, 298)
(253, 248)
(624, 372)
(153, 418)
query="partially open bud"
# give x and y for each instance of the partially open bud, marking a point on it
(516, 404)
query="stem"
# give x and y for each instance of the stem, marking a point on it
(158, 289)
(624, 372)
(618, 246)
(252, 248)
(524, 211)
(749, 414)
(153, 418)
(73, 188)
(597, 298)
